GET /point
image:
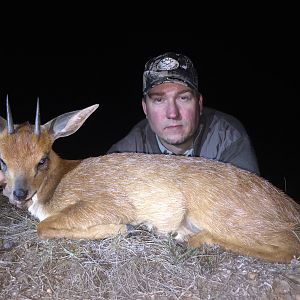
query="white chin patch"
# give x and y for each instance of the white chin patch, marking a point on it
(37, 209)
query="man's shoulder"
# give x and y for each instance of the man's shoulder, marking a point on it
(139, 139)
(219, 118)
(140, 127)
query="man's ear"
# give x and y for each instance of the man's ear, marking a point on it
(144, 106)
(200, 101)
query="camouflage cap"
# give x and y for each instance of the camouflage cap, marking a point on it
(169, 67)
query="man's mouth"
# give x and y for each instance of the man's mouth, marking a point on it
(174, 127)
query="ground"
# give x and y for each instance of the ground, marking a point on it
(140, 265)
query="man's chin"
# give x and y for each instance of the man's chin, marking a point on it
(175, 141)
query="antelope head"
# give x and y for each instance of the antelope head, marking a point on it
(26, 156)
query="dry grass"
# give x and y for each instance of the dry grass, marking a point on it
(140, 265)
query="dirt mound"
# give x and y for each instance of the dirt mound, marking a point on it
(140, 265)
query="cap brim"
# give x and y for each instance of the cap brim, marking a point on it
(171, 80)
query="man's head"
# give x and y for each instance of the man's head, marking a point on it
(172, 103)
(169, 67)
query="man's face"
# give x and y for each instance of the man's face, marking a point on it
(173, 111)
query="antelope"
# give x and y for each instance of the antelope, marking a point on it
(200, 201)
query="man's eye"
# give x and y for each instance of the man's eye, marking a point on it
(185, 98)
(3, 165)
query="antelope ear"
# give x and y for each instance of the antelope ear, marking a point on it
(2, 124)
(68, 123)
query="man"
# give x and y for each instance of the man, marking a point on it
(177, 123)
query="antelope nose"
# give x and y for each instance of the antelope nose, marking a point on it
(20, 194)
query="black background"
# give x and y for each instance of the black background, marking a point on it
(256, 81)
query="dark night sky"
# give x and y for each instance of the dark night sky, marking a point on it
(256, 81)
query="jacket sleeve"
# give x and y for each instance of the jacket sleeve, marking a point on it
(127, 144)
(241, 154)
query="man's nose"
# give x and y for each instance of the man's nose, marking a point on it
(172, 110)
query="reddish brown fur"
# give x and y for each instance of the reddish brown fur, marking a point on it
(204, 201)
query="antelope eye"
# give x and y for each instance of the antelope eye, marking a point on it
(3, 165)
(42, 162)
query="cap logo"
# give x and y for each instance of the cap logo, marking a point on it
(167, 64)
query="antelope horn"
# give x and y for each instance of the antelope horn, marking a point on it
(37, 125)
(9, 120)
